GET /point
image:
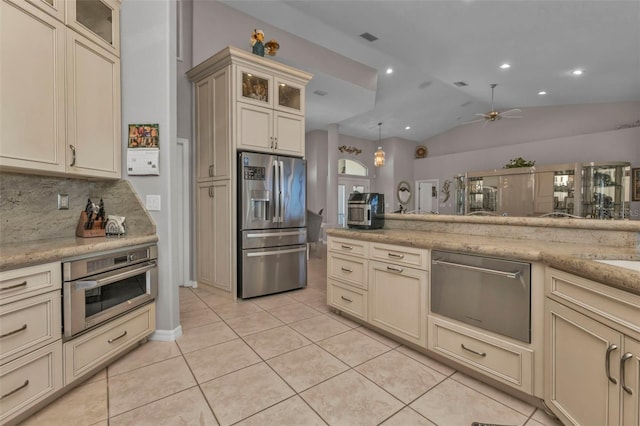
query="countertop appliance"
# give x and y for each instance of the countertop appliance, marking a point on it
(272, 233)
(99, 288)
(365, 210)
(488, 293)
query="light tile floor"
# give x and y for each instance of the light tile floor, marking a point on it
(281, 360)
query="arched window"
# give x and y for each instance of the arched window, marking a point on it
(352, 167)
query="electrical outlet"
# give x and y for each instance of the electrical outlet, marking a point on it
(153, 203)
(63, 201)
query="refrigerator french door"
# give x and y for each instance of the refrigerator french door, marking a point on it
(272, 232)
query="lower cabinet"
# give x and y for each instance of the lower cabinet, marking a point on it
(88, 351)
(30, 379)
(398, 300)
(347, 298)
(214, 239)
(592, 352)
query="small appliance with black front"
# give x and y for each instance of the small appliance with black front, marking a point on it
(97, 289)
(365, 210)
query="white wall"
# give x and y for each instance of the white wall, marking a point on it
(149, 96)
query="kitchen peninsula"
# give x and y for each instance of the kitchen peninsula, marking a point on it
(584, 309)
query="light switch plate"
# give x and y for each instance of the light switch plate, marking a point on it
(153, 203)
(63, 201)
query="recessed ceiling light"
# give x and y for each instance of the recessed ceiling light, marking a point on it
(505, 66)
(542, 92)
(408, 128)
(389, 70)
(577, 72)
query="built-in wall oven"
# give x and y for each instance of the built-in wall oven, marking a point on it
(99, 288)
(489, 293)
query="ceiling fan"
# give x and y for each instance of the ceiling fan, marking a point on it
(494, 115)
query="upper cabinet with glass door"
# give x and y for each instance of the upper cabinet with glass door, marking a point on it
(98, 20)
(289, 97)
(54, 8)
(270, 90)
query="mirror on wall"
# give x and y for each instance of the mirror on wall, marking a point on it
(404, 192)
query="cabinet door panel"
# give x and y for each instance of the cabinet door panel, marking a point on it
(398, 300)
(93, 106)
(576, 385)
(255, 128)
(631, 401)
(32, 95)
(204, 143)
(98, 20)
(289, 133)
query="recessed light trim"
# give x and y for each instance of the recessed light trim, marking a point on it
(505, 66)
(577, 72)
(407, 128)
(389, 71)
(542, 92)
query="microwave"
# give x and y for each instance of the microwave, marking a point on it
(365, 210)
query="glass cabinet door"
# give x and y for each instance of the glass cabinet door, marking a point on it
(255, 88)
(290, 97)
(482, 194)
(603, 191)
(563, 192)
(98, 20)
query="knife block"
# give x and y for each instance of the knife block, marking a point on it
(96, 229)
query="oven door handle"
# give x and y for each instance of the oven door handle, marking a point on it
(89, 284)
(513, 275)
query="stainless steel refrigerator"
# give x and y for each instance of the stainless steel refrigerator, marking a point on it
(272, 232)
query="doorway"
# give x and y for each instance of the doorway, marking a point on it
(427, 199)
(345, 187)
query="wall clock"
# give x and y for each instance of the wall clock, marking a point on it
(421, 151)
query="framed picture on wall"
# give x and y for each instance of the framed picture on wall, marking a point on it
(635, 184)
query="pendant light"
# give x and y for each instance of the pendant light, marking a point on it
(378, 157)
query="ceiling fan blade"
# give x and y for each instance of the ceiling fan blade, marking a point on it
(481, 115)
(474, 121)
(509, 111)
(511, 116)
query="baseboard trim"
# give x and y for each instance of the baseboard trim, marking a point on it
(166, 335)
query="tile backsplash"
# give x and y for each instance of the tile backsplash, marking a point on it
(29, 206)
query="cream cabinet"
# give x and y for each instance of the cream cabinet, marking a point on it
(242, 102)
(382, 284)
(30, 337)
(96, 20)
(89, 351)
(592, 351)
(214, 236)
(54, 8)
(213, 147)
(64, 92)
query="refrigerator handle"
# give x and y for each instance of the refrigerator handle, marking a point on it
(281, 195)
(276, 192)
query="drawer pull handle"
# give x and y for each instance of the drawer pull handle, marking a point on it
(607, 363)
(24, 385)
(346, 269)
(344, 298)
(346, 247)
(482, 354)
(117, 338)
(24, 327)
(623, 360)
(22, 284)
(391, 268)
(397, 256)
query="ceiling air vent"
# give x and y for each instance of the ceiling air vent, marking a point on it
(424, 85)
(368, 37)
(460, 83)
(319, 92)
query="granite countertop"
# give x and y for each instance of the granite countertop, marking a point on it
(578, 260)
(20, 255)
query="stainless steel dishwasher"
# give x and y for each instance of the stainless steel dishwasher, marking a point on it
(489, 293)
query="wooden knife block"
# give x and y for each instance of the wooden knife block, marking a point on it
(96, 229)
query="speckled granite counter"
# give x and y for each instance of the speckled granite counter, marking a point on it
(19, 255)
(576, 258)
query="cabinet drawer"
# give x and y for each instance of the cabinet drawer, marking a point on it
(407, 256)
(352, 247)
(351, 300)
(89, 350)
(28, 324)
(501, 360)
(352, 270)
(25, 282)
(613, 306)
(30, 379)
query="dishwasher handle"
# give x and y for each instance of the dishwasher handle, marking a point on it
(506, 274)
